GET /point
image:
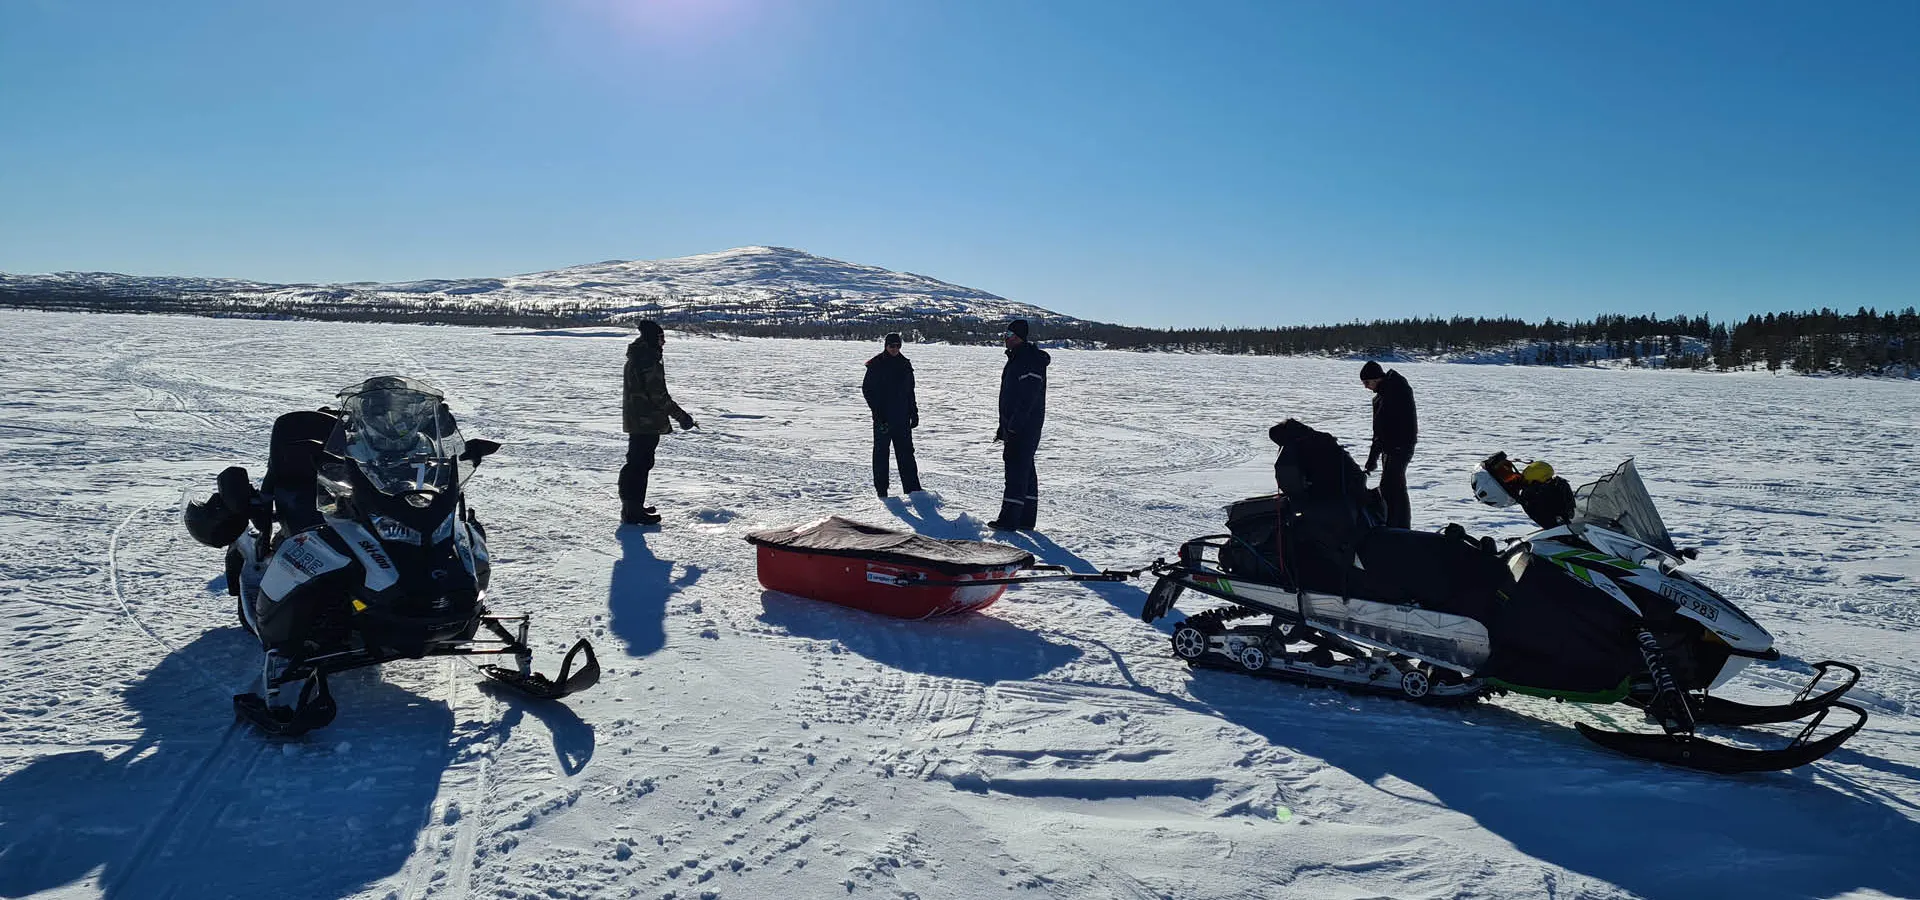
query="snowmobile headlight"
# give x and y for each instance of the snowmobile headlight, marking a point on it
(419, 499)
(393, 530)
(445, 532)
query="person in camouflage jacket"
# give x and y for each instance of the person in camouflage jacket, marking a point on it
(645, 408)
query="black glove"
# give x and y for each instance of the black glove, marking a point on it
(1373, 460)
(879, 426)
(687, 423)
(913, 421)
(999, 434)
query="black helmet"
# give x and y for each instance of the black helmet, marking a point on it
(212, 523)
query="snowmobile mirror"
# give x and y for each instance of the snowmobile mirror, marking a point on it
(479, 449)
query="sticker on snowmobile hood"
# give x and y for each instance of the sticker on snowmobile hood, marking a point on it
(300, 559)
(380, 573)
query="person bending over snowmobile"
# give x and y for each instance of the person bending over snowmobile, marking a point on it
(1327, 493)
(645, 407)
(888, 387)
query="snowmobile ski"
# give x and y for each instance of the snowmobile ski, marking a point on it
(314, 707)
(1716, 711)
(1695, 752)
(540, 687)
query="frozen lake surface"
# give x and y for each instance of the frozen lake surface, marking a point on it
(747, 744)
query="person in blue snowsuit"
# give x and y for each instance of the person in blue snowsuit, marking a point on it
(1023, 410)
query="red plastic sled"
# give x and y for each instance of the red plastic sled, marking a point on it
(894, 573)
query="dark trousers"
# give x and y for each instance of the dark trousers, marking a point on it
(633, 475)
(1020, 506)
(1393, 486)
(901, 439)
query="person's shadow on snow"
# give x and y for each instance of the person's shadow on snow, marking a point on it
(638, 592)
(196, 805)
(1126, 596)
(923, 513)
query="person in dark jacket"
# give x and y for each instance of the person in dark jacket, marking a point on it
(1023, 410)
(645, 407)
(1395, 431)
(888, 387)
(1327, 494)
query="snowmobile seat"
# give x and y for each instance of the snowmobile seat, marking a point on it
(292, 470)
(1439, 572)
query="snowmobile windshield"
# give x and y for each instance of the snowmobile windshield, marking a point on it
(1620, 502)
(401, 435)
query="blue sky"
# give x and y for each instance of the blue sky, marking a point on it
(1151, 163)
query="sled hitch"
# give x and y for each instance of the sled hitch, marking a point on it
(1050, 573)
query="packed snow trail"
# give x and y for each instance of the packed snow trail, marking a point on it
(749, 744)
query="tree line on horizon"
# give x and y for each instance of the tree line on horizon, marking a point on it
(1865, 342)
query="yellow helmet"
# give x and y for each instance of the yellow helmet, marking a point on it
(1537, 472)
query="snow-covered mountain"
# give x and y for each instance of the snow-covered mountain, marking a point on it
(743, 285)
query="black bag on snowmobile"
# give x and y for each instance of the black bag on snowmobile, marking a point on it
(1255, 526)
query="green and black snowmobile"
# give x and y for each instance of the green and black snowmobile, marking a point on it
(1593, 609)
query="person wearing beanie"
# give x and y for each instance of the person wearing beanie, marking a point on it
(1396, 429)
(645, 407)
(1023, 410)
(888, 387)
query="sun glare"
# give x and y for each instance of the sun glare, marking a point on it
(672, 22)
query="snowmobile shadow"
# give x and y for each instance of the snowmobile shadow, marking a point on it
(970, 646)
(573, 739)
(1651, 830)
(195, 805)
(637, 593)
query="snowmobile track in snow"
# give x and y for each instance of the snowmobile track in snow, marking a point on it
(443, 860)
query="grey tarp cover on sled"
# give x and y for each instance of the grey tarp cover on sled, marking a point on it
(835, 536)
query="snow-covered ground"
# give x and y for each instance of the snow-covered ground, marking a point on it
(746, 744)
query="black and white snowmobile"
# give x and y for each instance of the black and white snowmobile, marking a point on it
(359, 548)
(1594, 609)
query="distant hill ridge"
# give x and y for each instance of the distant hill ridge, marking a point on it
(742, 286)
(783, 292)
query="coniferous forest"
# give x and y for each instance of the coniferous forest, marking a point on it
(1864, 342)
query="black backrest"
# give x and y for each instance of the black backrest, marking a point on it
(291, 471)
